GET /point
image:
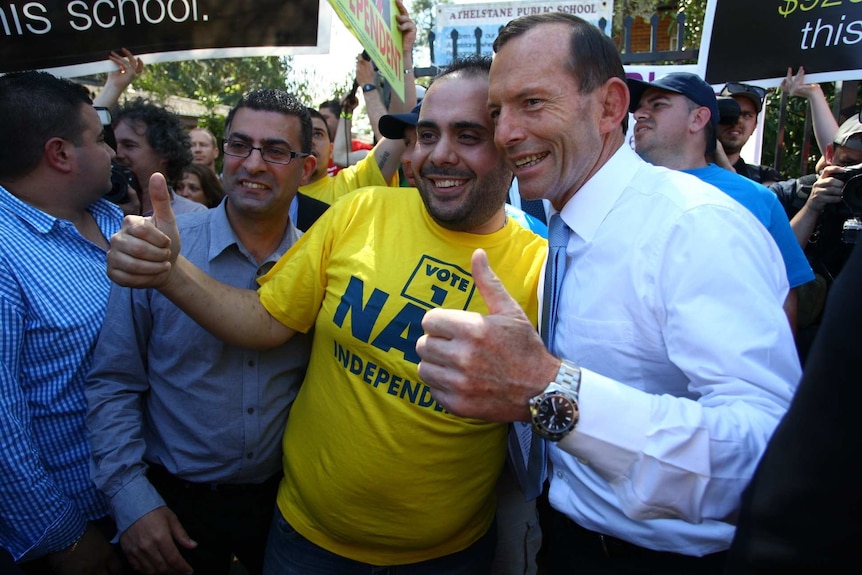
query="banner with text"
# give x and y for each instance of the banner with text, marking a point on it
(745, 41)
(73, 37)
(478, 24)
(373, 23)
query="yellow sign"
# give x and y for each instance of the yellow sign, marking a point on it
(373, 23)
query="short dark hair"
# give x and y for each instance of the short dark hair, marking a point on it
(593, 57)
(469, 66)
(164, 132)
(333, 106)
(35, 107)
(315, 114)
(274, 100)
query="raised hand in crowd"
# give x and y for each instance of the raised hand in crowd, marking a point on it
(128, 68)
(822, 119)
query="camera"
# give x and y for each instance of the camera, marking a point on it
(851, 204)
(728, 110)
(121, 179)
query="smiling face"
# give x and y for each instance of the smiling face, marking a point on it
(462, 178)
(549, 130)
(136, 153)
(256, 186)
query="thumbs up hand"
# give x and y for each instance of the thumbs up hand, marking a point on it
(485, 366)
(143, 252)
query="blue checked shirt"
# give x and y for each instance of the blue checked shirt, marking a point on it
(53, 293)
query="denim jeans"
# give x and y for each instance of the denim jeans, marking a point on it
(289, 553)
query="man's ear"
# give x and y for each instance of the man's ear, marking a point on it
(615, 106)
(700, 118)
(57, 152)
(308, 165)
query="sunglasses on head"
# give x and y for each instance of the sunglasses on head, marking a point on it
(732, 88)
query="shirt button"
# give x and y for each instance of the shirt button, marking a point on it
(251, 363)
(250, 410)
(249, 455)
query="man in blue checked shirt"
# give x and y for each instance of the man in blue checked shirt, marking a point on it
(54, 170)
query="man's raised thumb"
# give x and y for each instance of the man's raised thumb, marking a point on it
(496, 297)
(163, 213)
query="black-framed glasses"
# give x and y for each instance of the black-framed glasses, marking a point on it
(270, 153)
(732, 88)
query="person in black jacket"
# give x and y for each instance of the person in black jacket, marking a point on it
(802, 512)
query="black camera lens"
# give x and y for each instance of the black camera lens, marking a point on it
(728, 110)
(121, 179)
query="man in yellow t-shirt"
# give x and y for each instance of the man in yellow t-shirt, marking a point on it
(377, 473)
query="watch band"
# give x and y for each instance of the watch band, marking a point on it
(369, 87)
(555, 411)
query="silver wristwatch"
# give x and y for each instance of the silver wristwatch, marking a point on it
(555, 411)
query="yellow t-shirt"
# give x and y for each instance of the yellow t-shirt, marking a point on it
(363, 173)
(375, 469)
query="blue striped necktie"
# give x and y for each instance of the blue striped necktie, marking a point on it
(528, 450)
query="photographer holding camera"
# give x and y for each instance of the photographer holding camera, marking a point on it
(821, 206)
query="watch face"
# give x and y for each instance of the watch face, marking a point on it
(557, 413)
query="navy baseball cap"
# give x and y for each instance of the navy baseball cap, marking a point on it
(392, 125)
(689, 85)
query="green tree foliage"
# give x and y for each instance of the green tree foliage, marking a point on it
(219, 82)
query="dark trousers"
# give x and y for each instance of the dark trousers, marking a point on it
(289, 553)
(225, 520)
(573, 549)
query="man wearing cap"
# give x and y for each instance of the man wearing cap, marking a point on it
(819, 206)
(734, 136)
(677, 117)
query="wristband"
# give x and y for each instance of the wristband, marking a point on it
(346, 116)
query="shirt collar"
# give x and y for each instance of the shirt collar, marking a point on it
(106, 214)
(587, 208)
(222, 235)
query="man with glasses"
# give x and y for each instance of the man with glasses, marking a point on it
(186, 430)
(734, 136)
(54, 169)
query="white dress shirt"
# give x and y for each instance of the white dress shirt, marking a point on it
(672, 305)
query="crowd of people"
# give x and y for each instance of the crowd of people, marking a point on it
(580, 355)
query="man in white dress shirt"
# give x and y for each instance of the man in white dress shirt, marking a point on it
(671, 344)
